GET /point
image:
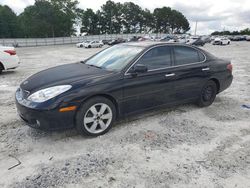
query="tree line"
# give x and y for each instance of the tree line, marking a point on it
(242, 32)
(57, 18)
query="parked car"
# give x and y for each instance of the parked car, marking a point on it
(238, 38)
(93, 44)
(116, 41)
(133, 39)
(8, 58)
(247, 38)
(192, 39)
(105, 41)
(169, 38)
(91, 95)
(145, 38)
(198, 42)
(221, 41)
(81, 44)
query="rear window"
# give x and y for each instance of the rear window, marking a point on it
(186, 55)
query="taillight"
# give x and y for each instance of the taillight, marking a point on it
(11, 52)
(230, 67)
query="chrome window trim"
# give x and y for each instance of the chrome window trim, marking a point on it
(168, 45)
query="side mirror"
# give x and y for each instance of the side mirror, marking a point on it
(140, 68)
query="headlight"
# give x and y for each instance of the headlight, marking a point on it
(48, 93)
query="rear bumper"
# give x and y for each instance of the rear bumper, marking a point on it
(11, 63)
(47, 120)
(225, 83)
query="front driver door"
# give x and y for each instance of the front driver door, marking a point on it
(152, 88)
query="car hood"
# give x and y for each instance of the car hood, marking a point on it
(60, 75)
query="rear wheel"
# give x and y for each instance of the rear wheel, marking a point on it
(208, 94)
(89, 46)
(96, 116)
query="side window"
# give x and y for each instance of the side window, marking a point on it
(185, 55)
(158, 57)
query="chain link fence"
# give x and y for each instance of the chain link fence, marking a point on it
(29, 42)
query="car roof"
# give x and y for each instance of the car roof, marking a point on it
(147, 44)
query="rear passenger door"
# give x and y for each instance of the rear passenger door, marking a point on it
(191, 72)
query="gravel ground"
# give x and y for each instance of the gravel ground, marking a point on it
(185, 146)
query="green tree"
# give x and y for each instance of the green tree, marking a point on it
(132, 17)
(110, 16)
(178, 22)
(90, 22)
(168, 20)
(8, 23)
(48, 18)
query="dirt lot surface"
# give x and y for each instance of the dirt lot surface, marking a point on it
(185, 146)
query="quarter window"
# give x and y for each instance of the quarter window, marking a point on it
(186, 55)
(158, 57)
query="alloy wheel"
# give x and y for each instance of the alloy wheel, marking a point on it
(97, 118)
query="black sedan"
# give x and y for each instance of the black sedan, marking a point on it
(119, 81)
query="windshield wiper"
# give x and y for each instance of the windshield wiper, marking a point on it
(95, 66)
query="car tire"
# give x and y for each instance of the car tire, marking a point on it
(1, 68)
(81, 46)
(208, 94)
(89, 46)
(91, 121)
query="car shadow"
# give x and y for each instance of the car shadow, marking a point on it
(7, 72)
(153, 114)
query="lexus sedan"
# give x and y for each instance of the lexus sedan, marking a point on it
(119, 81)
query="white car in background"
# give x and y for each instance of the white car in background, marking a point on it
(8, 58)
(93, 44)
(221, 41)
(81, 44)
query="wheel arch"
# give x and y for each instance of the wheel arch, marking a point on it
(217, 84)
(1, 66)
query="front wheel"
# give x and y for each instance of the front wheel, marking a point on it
(208, 94)
(96, 116)
(1, 69)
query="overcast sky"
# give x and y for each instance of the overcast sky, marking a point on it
(210, 14)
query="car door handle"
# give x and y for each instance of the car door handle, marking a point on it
(205, 69)
(170, 74)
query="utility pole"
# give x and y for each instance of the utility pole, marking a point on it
(195, 28)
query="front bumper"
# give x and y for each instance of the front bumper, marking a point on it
(44, 119)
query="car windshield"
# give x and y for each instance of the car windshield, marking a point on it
(114, 58)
